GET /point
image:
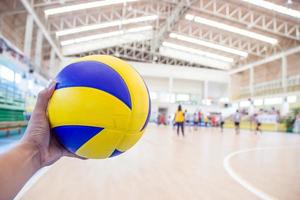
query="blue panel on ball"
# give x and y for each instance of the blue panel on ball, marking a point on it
(95, 75)
(115, 153)
(149, 110)
(73, 137)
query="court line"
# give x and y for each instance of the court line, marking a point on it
(226, 164)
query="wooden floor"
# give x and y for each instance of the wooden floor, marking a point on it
(164, 166)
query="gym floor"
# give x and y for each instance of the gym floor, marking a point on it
(205, 164)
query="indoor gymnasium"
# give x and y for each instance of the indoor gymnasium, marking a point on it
(149, 99)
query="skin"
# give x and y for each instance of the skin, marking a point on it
(38, 148)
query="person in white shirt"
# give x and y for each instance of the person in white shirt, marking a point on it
(237, 120)
(258, 124)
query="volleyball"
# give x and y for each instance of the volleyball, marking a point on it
(100, 107)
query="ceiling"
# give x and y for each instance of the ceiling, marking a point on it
(215, 34)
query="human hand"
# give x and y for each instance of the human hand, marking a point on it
(38, 133)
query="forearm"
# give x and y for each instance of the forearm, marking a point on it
(16, 167)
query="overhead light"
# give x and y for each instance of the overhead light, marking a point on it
(208, 44)
(274, 7)
(106, 25)
(82, 6)
(232, 29)
(104, 35)
(196, 51)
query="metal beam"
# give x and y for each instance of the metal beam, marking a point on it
(41, 27)
(38, 50)
(140, 51)
(44, 3)
(114, 13)
(52, 59)
(248, 17)
(229, 40)
(266, 60)
(176, 14)
(28, 36)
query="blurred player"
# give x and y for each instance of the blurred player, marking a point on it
(237, 121)
(179, 120)
(196, 121)
(221, 120)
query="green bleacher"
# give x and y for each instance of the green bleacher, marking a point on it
(12, 107)
(11, 115)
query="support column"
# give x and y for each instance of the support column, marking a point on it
(229, 89)
(205, 90)
(52, 63)
(28, 36)
(170, 88)
(38, 49)
(251, 81)
(52, 58)
(284, 73)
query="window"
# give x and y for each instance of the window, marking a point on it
(30, 84)
(258, 102)
(291, 99)
(172, 98)
(18, 78)
(235, 105)
(182, 97)
(224, 100)
(6, 73)
(245, 103)
(164, 97)
(206, 102)
(273, 101)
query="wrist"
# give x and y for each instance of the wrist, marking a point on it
(32, 153)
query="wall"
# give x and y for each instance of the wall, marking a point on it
(267, 72)
(293, 65)
(157, 84)
(172, 80)
(187, 86)
(268, 78)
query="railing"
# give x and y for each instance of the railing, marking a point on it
(268, 88)
(293, 83)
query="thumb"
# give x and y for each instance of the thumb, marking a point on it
(44, 97)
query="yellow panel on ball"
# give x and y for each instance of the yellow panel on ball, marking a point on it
(136, 86)
(129, 140)
(89, 107)
(101, 145)
(100, 107)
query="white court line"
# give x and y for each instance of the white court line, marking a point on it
(226, 163)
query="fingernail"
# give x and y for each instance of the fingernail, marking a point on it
(51, 85)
